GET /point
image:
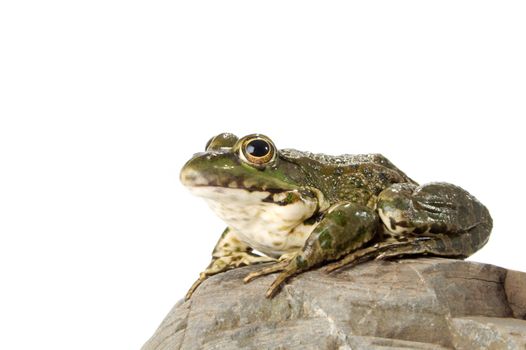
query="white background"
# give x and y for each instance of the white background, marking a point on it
(102, 102)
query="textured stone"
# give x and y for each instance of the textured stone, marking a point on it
(489, 333)
(426, 303)
(515, 286)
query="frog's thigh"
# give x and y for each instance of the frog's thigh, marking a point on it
(440, 209)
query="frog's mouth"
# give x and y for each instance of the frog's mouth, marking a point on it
(195, 179)
(216, 188)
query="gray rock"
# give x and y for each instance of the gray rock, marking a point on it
(426, 303)
(489, 333)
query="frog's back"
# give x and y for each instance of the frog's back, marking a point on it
(354, 177)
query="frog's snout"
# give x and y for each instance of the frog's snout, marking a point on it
(192, 173)
(189, 177)
(208, 167)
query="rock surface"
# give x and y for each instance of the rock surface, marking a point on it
(426, 303)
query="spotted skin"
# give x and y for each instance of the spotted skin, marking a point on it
(345, 227)
(304, 210)
(228, 253)
(437, 219)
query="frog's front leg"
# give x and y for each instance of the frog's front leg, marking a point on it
(438, 219)
(344, 228)
(228, 253)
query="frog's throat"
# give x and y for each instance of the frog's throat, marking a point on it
(273, 223)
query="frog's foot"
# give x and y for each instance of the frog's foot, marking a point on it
(225, 263)
(354, 258)
(279, 265)
(383, 250)
(286, 265)
(436, 245)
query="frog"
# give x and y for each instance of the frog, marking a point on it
(292, 211)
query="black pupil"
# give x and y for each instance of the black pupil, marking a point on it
(258, 148)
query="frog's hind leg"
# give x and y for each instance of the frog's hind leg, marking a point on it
(440, 210)
(437, 219)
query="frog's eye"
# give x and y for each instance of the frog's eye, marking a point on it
(258, 151)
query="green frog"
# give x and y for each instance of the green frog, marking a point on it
(299, 210)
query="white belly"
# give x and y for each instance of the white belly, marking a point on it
(268, 227)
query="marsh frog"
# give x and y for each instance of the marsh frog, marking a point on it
(300, 210)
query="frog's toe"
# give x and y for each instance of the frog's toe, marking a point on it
(192, 290)
(334, 266)
(194, 286)
(352, 259)
(278, 282)
(278, 266)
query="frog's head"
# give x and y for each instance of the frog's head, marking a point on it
(251, 163)
(249, 171)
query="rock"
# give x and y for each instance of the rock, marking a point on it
(489, 333)
(515, 286)
(426, 303)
